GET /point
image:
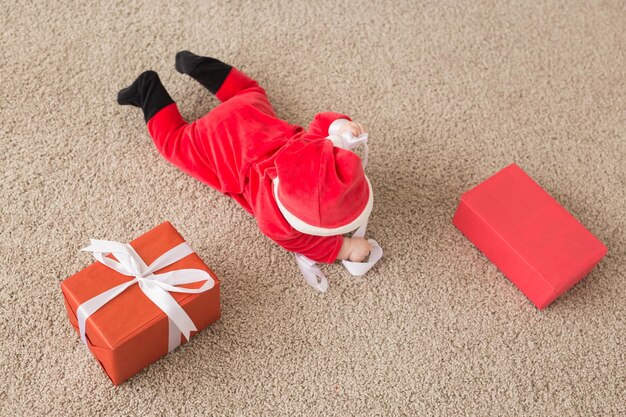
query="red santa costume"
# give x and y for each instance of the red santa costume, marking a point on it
(303, 191)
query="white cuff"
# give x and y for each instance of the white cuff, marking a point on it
(333, 129)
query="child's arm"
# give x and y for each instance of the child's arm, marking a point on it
(355, 249)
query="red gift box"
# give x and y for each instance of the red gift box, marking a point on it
(130, 331)
(532, 239)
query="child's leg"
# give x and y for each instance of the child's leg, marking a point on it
(221, 79)
(172, 135)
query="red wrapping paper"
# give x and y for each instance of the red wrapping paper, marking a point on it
(130, 332)
(528, 235)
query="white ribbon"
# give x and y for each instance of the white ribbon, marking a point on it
(311, 272)
(358, 269)
(314, 276)
(348, 141)
(156, 287)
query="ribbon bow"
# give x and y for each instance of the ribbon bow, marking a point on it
(156, 287)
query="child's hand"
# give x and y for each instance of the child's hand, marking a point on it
(355, 128)
(356, 249)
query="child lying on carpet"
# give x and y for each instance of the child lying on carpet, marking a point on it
(304, 189)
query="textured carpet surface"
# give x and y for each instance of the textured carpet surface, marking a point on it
(451, 91)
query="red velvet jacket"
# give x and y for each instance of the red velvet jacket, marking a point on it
(233, 149)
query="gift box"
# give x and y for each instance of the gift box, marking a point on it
(532, 239)
(140, 300)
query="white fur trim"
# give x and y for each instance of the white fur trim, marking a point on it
(310, 229)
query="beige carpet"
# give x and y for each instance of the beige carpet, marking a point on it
(451, 93)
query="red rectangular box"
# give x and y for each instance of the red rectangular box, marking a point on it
(530, 237)
(130, 331)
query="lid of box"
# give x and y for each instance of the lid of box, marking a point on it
(131, 310)
(536, 226)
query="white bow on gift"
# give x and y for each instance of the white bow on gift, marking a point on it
(313, 275)
(156, 287)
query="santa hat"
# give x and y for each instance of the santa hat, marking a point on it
(321, 189)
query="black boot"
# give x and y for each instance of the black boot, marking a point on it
(209, 72)
(147, 92)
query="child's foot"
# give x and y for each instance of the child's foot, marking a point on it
(209, 72)
(187, 62)
(146, 92)
(133, 94)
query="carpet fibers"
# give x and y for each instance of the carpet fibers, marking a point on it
(451, 91)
